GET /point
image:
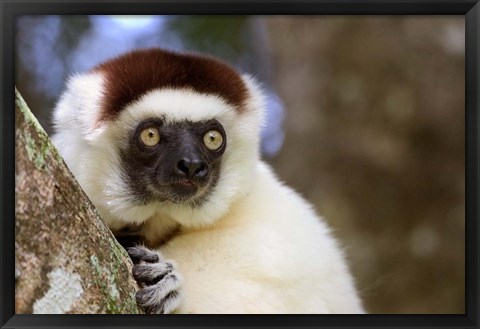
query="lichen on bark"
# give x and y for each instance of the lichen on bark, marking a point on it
(67, 260)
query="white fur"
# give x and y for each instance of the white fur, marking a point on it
(269, 254)
(254, 247)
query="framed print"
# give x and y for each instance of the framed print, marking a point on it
(222, 164)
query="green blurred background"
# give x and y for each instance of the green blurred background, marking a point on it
(365, 120)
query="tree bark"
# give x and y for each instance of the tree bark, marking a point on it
(67, 260)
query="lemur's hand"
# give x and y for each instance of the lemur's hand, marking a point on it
(158, 280)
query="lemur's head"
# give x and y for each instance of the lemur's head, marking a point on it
(154, 131)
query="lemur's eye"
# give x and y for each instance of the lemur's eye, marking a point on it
(213, 140)
(150, 136)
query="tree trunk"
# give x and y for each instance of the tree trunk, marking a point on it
(67, 260)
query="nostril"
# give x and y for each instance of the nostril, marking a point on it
(201, 171)
(182, 168)
(192, 168)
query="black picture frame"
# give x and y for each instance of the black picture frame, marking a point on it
(9, 9)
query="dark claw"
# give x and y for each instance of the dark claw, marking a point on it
(150, 274)
(163, 297)
(159, 282)
(138, 254)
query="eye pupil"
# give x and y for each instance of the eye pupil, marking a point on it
(150, 136)
(213, 140)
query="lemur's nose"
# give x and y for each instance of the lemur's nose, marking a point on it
(191, 168)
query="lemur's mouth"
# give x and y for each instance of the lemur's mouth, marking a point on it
(184, 187)
(182, 191)
(185, 190)
(185, 182)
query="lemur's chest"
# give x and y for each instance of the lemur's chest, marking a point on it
(228, 250)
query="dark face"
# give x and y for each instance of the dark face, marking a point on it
(177, 162)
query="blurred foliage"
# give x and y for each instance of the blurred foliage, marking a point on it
(374, 133)
(239, 40)
(72, 28)
(375, 125)
(36, 40)
(226, 34)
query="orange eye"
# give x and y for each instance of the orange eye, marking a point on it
(150, 136)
